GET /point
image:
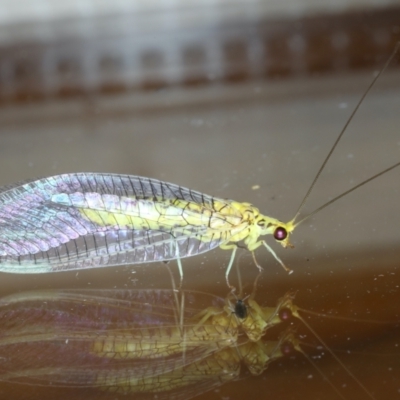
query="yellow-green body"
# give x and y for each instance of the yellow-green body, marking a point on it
(233, 220)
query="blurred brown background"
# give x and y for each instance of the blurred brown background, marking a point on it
(220, 96)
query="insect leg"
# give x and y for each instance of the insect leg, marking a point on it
(234, 248)
(276, 258)
(180, 304)
(260, 269)
(179, 262)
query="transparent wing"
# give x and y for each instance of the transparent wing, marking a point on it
(98, 339)
(184, 383)
(87, 220)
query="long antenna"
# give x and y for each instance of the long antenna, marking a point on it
(347, 192)
(338, 140)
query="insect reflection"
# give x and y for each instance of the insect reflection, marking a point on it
(132, 342)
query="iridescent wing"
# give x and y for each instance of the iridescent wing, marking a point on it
(113, 340)
(87, 220)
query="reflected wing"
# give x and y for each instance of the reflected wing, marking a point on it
(116, 341)
(180, 384)
(77, 221)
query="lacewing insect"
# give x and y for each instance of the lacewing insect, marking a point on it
(87, 220)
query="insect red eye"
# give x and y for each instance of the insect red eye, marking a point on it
(280, 233)
(287, 348)
(285, 314)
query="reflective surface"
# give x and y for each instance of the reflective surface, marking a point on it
(93, 343)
